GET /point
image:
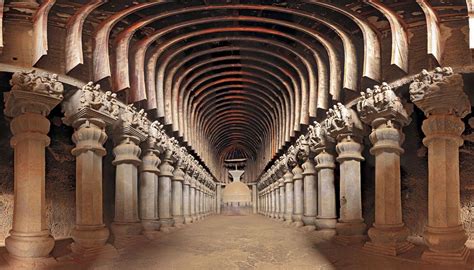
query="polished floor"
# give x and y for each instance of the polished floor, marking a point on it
(248, 242)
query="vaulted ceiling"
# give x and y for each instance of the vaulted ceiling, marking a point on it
(243, 78)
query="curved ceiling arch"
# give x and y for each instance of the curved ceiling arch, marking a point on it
(282, 64)
(214, 60)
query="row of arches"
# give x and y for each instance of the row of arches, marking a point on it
(246, 77)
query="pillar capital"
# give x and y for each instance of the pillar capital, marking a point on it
(33, 93)
(90, 102)
(166, 169)
(324, 160)
(281, 182)
(150, 159)
(89, 136)
(178, 173)
(319, 139)
(349, 149)
(343, 122)
(440, 92)
(131, 125)
(381, 106)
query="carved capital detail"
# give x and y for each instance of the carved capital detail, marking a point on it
(91, 102)
(318, 138)
(325, 160)
(150, 159)
(302, 149)
(448, 127)
(33, 93)
(381, 104)
(127, 151)
(342, 121)
(440, 92)
(349, 149)
(166, 169)
(89, 135)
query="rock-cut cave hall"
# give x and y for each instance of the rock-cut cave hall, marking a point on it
(237, 134)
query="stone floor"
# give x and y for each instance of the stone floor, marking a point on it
(249, 242)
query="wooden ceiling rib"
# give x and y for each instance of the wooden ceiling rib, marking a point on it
(239, 79)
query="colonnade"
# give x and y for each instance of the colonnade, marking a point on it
(339, 138)
(158, 185)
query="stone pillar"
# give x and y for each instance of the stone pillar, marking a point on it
(288, 176)
(29, 102)
(281, 187)
(218, 198)
(254, 199)
(192, 200)
(186, 199)
(198, 201)
(164, 191)
(351, 226)
(309, 182)
(276, 197)
(323, 145)
(270, 201)
(149, 187)
(388, 234)
(269, 205)
(325, 165)
(90, 233)
(441, 97)
(344, 125)
(126, 221)
(273, 201)
(177, 193)
(298, 196)
(264, 201)
(203, 199)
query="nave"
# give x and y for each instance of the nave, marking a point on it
(248, 242)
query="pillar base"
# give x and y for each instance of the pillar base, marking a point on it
(152, 235)
(349, 240)
(297, 224)
(309, 228)
(42, 263)
(120, 229)
(390, 239)
(150, 225)
(87, 237)
(351, 228)
(130, 241)
(166, 223)
(309, 220)
(326, 223)
(446, 257)
(193, 218)
(188, 220)
(326, 234)
(297, 220)
(105, 252)
(393, 249)
(29, 245)
(445, 239)
(178, 221)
